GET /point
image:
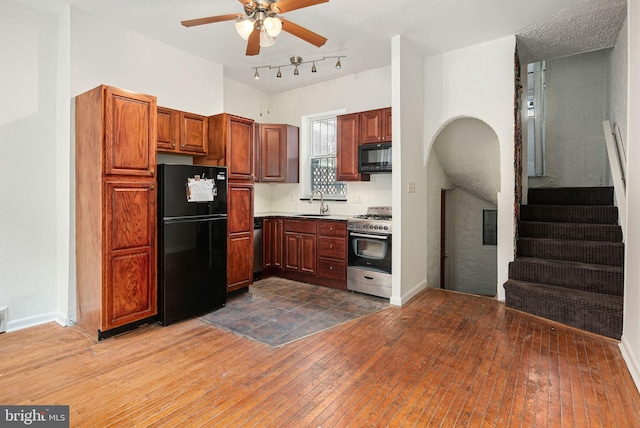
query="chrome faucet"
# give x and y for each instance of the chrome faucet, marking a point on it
(323, 208)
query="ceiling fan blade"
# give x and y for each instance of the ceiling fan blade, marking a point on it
(289, 5)
(209, 20)
(253, 45)
(303, 33)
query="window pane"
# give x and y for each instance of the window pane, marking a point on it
(323, 138)
(323, 178)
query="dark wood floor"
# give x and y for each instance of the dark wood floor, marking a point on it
(443, 359)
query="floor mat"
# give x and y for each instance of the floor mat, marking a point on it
(276, 311)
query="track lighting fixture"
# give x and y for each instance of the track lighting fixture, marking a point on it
(296, 61)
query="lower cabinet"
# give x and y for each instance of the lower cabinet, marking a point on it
(239, 235)
(300, 246)
(313, 251)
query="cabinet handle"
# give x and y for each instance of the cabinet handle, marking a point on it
(331, 246)
(173, 145)
(330, 267)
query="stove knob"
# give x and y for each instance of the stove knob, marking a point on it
(375, 227)
(386, 228)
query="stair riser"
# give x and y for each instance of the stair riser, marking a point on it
(571, 196)
(592, 280)
(571, 231)
(609, 254)
(569, 214)
(584, 315)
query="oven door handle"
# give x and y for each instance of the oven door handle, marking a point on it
(362, 235)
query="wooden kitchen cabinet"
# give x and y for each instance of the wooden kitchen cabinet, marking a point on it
(375, 126)
(115, 210)
(230, 144)
(277, 148)
(348, 140)
(239, 235)
(300, 245)
(272, 234)
(332, 250)
(181, 132)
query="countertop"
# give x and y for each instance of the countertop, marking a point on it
(311, 216)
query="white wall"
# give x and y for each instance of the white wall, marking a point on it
(473, 265)
(410, 179)
(479, 82)
(351, 93)
(631, 327)
(575, 106)
(30, 212)
(617, 93)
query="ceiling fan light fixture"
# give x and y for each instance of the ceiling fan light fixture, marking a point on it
(273, 26)
(244, 27)
(266, 40)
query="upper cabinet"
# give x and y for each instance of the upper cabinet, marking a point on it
(277, 159)
(180, 132)
(230, 144)
(348, 140)
(375, 126)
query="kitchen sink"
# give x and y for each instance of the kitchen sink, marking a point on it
(311, 215)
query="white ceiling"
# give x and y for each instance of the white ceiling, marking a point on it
(359, 30)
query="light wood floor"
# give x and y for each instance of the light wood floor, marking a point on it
(443, 359)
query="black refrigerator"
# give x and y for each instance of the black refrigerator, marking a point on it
(192, 241)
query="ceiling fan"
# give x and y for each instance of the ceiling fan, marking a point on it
(262, 22)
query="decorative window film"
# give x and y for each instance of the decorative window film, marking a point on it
(323, 160)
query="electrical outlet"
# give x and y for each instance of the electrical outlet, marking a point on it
(357, 199)
(4, 312)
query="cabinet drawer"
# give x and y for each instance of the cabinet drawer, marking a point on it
(332, 228)
(331, 247)
(332, 269)
(300, 226)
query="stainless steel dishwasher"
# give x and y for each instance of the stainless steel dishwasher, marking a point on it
(257, 247)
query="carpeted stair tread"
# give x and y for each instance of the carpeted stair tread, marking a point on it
(591, 252)
(570, 196)
(594, 312)
(571, 231)
(580, 276)
(606, 214)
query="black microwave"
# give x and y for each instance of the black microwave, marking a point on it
(374, 158)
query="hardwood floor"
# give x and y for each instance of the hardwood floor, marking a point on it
(443, 359)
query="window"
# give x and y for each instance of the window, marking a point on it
(489, 227)
(322, 159)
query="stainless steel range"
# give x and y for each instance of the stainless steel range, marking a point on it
(370, 236)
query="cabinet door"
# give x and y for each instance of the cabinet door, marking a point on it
(272, 243)
(386, 124)
(193, 133)
(239, 261)
(291, 251)
(168, 130)
(130, 133)
(240, 235)
(308, 253)
(371, 126)
(240, 148)
(273, 155)
(129, 258)
(348, 137)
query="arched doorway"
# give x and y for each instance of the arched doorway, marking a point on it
(466, 152)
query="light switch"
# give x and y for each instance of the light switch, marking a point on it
(412, 187)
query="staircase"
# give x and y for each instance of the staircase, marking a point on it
(570, 256)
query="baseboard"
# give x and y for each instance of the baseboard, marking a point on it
(33, 321)
(398, 301)
(631, 360)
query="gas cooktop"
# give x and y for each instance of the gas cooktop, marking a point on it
(377, 220)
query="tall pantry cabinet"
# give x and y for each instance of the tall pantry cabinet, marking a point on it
(231, 144)
(115, 209)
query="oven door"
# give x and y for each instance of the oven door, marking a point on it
(370, 251)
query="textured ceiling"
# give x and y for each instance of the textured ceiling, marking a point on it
(587, 26)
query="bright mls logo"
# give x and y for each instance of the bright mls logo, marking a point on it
(34, 416)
